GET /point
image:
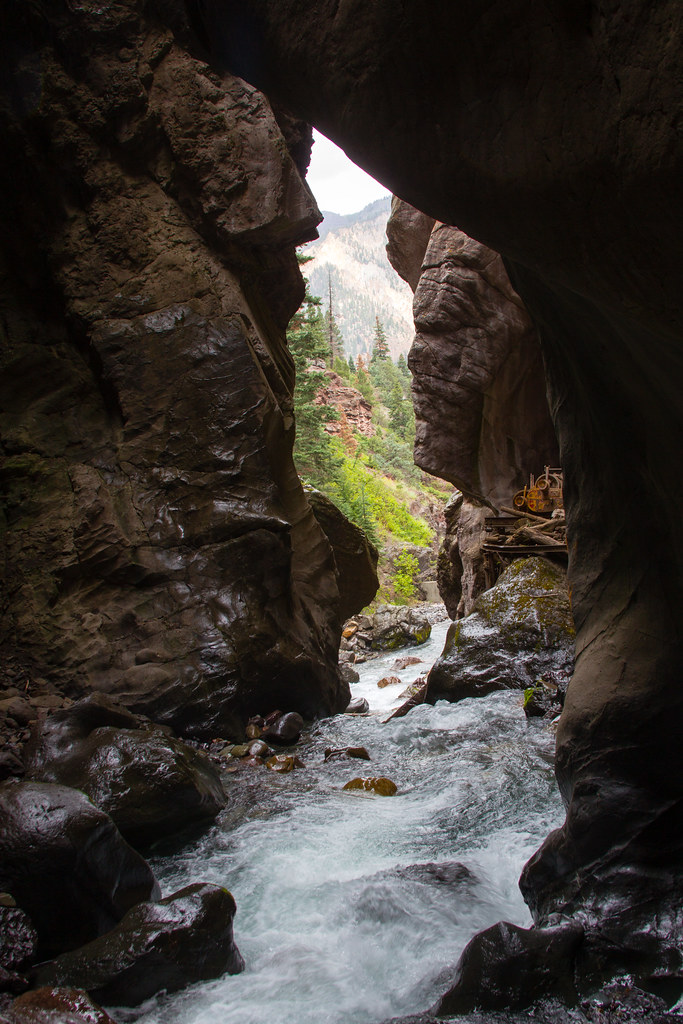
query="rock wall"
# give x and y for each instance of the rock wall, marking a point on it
(551, 133)
(481, 414)
(156, 542)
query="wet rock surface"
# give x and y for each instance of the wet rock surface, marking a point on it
(388, 628)
(355, 556)
(55, 1006)
(66, 865)
(563, 189)
(520, 633)
(506, 967)
(151, 784)
(481, 416)
(157, 544)
(184, 938)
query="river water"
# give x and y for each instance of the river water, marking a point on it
(334, 921)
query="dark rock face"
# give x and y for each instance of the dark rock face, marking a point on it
(184, 938)
(150, 784)
(506, 966)
(520, 631)
(18, 944)
(481, 415)
(66, 865)
(156, 542)
(482, 418)
(354, 555)
(546, 131)
(285, 729)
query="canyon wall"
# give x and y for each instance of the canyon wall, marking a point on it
(156, 541)
(551, 133)
(481, 414)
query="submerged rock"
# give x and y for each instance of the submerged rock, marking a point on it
(380, 785)
(416, 694)
(284, 763)
(184, 938)
(521, 631)
(151, 784)
(388, 681)
(66, 864)
(358, 752)
(56, 1006)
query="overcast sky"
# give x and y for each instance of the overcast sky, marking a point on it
(337, 184)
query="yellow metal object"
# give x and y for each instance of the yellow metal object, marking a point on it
(543, 495)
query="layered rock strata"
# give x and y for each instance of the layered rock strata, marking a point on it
(551, 133)
(156, 542)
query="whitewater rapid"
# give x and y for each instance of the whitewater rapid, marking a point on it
(332, 926)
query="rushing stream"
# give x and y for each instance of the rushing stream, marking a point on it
(331, 925)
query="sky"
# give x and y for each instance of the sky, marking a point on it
(337, 184)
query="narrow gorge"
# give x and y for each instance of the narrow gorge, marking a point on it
(168, 585)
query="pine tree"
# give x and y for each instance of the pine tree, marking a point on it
(380, 349)
(313, 453)
(334, 334)
(402, 365)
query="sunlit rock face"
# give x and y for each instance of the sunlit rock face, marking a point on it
(156, 542)
(550, 132)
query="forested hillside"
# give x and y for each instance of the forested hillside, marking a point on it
(349, 259)
(369, 474)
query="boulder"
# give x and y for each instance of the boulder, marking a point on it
(521, 630)
(56, 1006)
(151, 784)
(358, 706)
(66, 864)
(393, 626)
(18, 945)
(284, 730)
(184, 938)
(355, 555)
(405, 662)
(506, 967)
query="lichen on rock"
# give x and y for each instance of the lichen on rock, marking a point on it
(520, 631)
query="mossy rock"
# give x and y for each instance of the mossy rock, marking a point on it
(521, 630)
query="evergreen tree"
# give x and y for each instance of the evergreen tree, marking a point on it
(402, 365)
(313, 452)
(335, 340)
(352, 365)
(380, 349)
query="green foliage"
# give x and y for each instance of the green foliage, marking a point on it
(406, 567)
(370, 503)
(380, 348)
(306, 338)
(370, 479)
(392, 456)
(342, 368)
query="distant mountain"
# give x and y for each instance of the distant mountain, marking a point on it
(351, 250)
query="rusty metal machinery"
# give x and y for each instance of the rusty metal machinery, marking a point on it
(543, 494)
